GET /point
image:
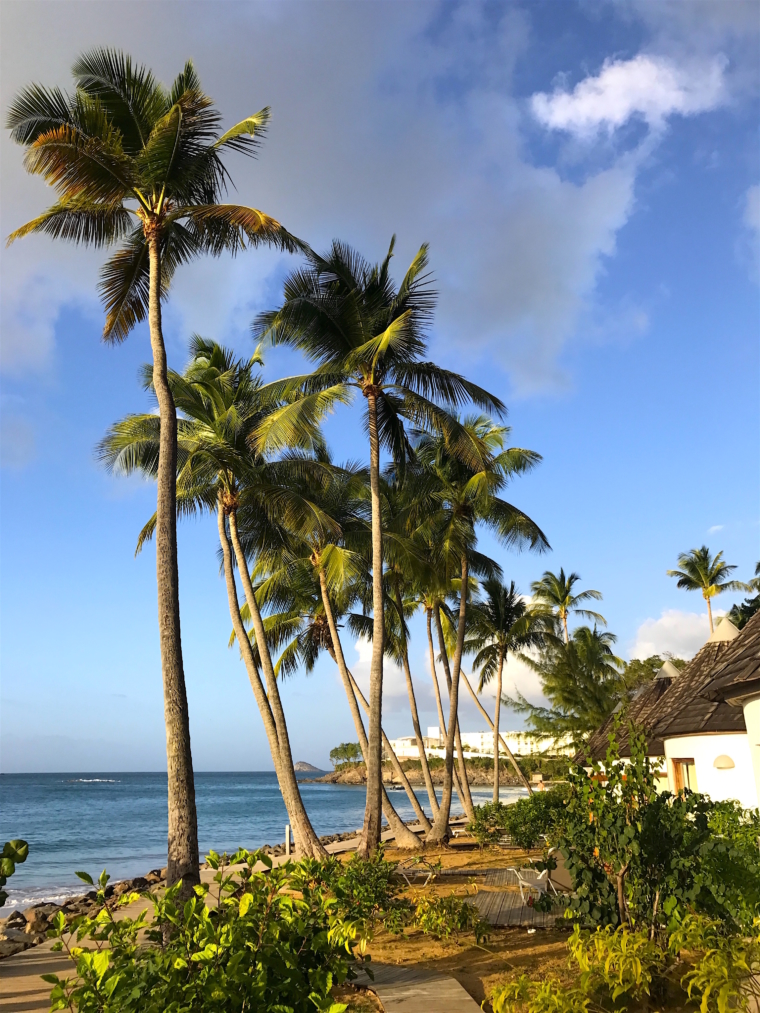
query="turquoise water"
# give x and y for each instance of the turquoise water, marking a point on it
(118, 821)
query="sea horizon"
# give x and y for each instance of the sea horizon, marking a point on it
(90, 820)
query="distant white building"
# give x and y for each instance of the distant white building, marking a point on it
(480, 744)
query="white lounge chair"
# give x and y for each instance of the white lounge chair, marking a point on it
(541, 883)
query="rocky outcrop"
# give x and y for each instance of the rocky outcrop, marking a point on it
(302, 767)
(356, 774)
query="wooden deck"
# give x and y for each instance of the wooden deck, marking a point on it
(505, 908)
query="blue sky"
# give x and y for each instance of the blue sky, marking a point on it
(588, 176)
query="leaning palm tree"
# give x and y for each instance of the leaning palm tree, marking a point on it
(556, 591)
(140, 165)
(365, 334)
(222, 406)
(699, 570)
(467, 497)
(499, 623)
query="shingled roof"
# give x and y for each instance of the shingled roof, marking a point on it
(685, 710)
(643, 709)
(738, 675)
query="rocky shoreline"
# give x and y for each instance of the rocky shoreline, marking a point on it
(22, 929)
(357, 774)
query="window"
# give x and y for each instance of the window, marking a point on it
(685, 774)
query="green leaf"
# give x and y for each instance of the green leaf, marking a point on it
(245, 902)
(85, 877)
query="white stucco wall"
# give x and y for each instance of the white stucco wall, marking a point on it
(737, 783)
(752, 721)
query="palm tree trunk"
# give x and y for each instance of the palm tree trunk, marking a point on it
(467, 801)
(398, 770)
(440, 830)
(295, 815)
(437, 689)
(413, 707)
(310, 843)
(404, 837)
(564, 623)
(508, 752)
(182, 861)
(496, 729)
(709, 614)
(371, 829)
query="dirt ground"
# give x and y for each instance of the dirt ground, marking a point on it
(508, 952)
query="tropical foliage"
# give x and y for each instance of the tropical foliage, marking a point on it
(346, 752)
(13, 854)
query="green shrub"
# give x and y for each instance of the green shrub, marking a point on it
(526, 821)
(638, 857)
(364, 888)
(13, 854)
(616, 966)
(270, 941)
(442, 917)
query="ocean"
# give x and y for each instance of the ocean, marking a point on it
(118, 821)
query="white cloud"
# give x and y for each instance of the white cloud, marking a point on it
(679, 633)
(650, 87)
(715, 528)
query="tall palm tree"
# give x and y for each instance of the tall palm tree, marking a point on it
(140, 165)
(467, 496)
(222, 406)
(699, 570)
(365, 334)
(556, 591)
(499, 623)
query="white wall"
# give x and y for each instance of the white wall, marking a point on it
(737, 783)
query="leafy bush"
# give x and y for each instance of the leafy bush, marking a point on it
(270, 941)
(526, 821)
(615, 965)
(364, 888)
(442, 917)
(13, 854)
(638, 857)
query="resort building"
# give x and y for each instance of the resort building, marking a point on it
(703, 724)
(480, 744)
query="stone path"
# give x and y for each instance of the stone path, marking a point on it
(415, 990)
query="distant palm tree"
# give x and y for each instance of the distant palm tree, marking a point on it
(141, 165)
(222, 405)
(556, 591)
(465, 496)
(499, 623)
(365, 334)
(701, 571)
(582, 682)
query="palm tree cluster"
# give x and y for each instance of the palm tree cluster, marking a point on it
(313, 546)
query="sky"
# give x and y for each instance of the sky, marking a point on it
(588, 177)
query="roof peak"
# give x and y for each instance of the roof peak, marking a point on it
(668, 671)
(723, 632)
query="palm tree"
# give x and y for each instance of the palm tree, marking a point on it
(140, 165)
(466, 497)
(364, 334)
(307, 579)
(556, 591)
(701, 571)
(581, 680)
(222, 405)
(498, 623)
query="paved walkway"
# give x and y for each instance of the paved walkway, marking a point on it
(414, 990)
